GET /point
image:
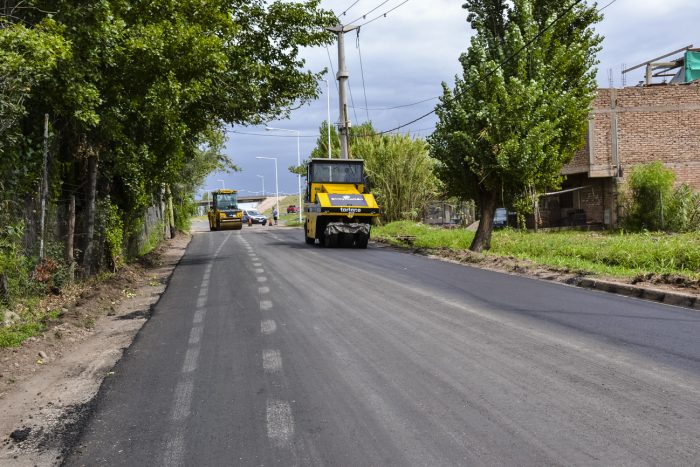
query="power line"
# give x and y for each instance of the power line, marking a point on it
(370, 11)
(330, 60)
(383, 15)
(352, 101)
(362, 70)
(348, 8)
(268, 135)
(403, 105)
(501, 64)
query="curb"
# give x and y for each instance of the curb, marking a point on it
(665, 297)
(655, 295)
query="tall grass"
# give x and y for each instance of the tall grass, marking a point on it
(618, 254)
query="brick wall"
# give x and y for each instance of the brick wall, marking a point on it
(653, 123)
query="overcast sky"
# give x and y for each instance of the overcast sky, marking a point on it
(408, 53)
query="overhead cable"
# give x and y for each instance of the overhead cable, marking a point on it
(504, 62)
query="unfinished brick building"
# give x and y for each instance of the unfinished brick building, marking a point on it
(627, 127)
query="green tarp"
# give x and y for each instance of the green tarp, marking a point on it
(692, 66)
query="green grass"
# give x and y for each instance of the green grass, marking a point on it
(611, 254)
(30, 324)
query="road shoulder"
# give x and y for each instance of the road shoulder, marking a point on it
(49, 383)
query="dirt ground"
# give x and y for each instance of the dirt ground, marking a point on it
(48, 383)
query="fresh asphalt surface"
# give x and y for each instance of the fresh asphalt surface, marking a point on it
(267, 351)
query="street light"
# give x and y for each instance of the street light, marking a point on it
(328, 93)
(270, 128)
(263, 184)
(277, 188)
(223, 187)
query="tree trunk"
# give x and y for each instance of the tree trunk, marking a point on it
(70, 230)
(487, 208)
(88, 259)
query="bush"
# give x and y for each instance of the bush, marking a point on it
(650, 194)
(684, 210)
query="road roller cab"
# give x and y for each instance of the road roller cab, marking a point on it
(224, 212)
(339, 208)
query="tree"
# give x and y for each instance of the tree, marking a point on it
(519, 111)
(146, 87)
(401, 173)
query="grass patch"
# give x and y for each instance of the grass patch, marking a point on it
(15, 334)
(604, 253)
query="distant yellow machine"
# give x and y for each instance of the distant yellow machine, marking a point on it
(224, 212)
(339, 208)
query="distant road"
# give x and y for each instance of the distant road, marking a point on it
(266, 351)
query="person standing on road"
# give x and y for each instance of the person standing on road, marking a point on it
(275, 214)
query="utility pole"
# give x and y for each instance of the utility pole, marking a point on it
(342, 77)
(44, 186)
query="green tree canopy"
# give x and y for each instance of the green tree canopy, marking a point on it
(519, 111)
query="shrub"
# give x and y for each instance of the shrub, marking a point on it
(650, 193)
(684, 210)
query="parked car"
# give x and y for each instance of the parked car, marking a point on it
(292, 208)
(500, 218)
(253, 216)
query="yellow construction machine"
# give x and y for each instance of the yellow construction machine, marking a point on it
(224, 212)
(339, 208)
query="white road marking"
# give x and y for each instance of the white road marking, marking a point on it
(203, 292)
(265, 304)
(199, 315)
(257, 265)
(195, 335)
(262, 279)
(183, 400)
(201, 302)
(263, 290)
(259, 271)
(191, 359)
(268, 326)
(174, 450)
(280, 423)
(271, 360)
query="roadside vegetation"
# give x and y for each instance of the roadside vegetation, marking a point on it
(610, 254)
(113, 112)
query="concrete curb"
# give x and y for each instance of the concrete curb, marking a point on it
(666, 297)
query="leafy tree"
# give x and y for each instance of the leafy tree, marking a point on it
(141, 98)
(401, 172)
(519, 111)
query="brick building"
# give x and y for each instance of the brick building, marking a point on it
(628, 127)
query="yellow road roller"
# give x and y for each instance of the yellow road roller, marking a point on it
(339, 207)
(224, 212)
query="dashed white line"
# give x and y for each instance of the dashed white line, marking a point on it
(203, 292)
(280, 423)
(263, 290)
(257, 265)
(183, 400)
(199, 315)
(195, 335)
(191, 359)
(201, 302)
(271, 360)
(259, 271)
(262, 279)
(268, 326)
(265, 304)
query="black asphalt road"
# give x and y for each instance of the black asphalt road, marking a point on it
(266, 351)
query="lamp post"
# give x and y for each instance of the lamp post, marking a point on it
(277, 188)
(270, 128)
(263, 183)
